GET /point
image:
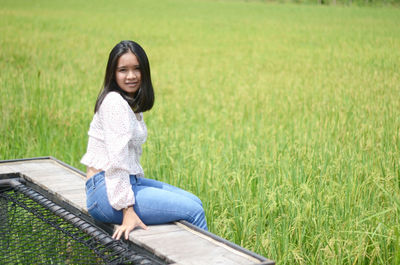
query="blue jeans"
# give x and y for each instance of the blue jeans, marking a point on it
(155, 202)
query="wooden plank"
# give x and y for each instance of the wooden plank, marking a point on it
(218, 243)
(217, 258)
(35, 165)
(80, 202)
(74, 193)
(59, 186)
(62, 177)
(44, 167)
(71, 194)
(55, 177)
(6, 169)
(49, 173)
(155, 230)
(47, 185)
(186, 248)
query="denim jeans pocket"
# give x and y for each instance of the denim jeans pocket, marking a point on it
(95, 211)
(89, 191)
(91, 207)
(92, 188)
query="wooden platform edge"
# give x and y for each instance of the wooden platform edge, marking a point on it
(49, 158)
(225, 243)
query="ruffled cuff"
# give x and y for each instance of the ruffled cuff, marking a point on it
(119, 189)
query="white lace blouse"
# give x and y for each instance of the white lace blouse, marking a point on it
(115, 146)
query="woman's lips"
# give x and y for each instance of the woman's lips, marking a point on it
(132, 84)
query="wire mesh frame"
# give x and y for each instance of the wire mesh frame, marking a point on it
(35, 230)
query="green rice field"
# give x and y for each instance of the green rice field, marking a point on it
(283, 118)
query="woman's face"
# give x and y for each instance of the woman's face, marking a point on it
(127, 74)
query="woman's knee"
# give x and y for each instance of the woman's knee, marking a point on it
(198, 201)
(198, 217)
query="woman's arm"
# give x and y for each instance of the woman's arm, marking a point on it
(115, 114)
(117, 126)
(129, 222)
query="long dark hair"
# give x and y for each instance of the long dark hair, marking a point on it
(143, 99)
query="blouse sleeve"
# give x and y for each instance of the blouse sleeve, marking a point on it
(118, 128)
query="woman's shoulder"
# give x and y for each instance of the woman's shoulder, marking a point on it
(114, 103)
(115, 100)
(113, 96)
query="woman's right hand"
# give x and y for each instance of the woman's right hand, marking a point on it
(129, 222)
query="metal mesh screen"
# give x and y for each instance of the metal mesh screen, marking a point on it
(35, 230)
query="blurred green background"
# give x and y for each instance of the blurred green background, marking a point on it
(283, 118)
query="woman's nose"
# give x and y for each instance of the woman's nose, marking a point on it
(131, 74)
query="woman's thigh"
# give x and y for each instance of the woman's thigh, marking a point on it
(158, 206)
(164, 186)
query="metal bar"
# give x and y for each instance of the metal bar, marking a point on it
(13, 182)
(25, 159)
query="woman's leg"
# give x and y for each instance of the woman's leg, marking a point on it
(164, 186)
(156, 205)
(160, 204)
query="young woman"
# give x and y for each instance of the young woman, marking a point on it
(116, 189)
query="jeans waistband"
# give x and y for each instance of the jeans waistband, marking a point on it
(96, 178)
(99, 177)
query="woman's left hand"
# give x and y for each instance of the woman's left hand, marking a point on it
(129, 222)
